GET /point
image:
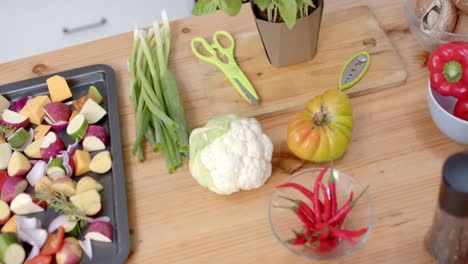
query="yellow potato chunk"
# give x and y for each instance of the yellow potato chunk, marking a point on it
(44, 182)
(82, 160)
(87, 183)
(58, 88)
(10, 226)
(101, 163)
(89, 202)
(64, 185)
(34, 109)
(41, 131)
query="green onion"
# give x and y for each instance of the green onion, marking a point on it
(159, 112)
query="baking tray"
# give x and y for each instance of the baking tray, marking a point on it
(114, 197)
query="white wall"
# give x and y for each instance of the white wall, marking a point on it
(29, 27)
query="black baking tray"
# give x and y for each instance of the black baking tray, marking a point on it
(114, 197)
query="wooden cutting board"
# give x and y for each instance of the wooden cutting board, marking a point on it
(342, 35)
(206, 91)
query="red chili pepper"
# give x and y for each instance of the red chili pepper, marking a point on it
(322, 173)
(307, 210)
(355, 233)
(332, 187)
(341, 215)
(297, 241)
(448, 66)
(327, 209)
(350, 199)
(339, 233)
(309, 224)
(325, 232)
(343, 212)
(317, 209)
(328, 245)
(308, 193)
(302, 206)
(301, 215)
(322, 231)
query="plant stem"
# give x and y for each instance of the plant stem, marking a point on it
(154, 106)
(275, 13)
(167, 34)
(269, 13)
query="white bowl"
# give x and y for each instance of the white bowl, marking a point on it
(441, 108)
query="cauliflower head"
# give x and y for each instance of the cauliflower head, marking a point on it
(230, 154)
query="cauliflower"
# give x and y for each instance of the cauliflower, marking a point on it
(230, 154)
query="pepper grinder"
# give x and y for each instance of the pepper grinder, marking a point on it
(447, 240)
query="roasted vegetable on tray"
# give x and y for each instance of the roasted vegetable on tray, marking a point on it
(34, 154)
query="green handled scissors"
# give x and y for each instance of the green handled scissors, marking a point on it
(230, 69)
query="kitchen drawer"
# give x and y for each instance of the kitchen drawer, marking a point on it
(32, 27)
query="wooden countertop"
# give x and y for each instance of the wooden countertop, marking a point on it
(396, 149)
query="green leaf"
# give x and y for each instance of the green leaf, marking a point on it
(309, 3)
(230, 7)
(205, 7)
(288, 11)
(262, 4)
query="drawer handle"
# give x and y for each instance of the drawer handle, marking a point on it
(100, 23)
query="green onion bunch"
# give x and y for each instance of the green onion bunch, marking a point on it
(159, 112)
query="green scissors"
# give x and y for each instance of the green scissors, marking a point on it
(230, 69)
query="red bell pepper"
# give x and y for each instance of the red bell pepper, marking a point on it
(461, 109)
(448, 65)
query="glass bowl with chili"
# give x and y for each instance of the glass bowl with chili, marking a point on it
(321, 226)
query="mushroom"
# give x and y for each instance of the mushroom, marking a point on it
(462, 5)
(421, 7)
(439, 16)
(462, 23)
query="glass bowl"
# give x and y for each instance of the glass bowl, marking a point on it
(416, 23)
(283, 221)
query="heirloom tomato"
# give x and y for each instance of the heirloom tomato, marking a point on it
(323, 131)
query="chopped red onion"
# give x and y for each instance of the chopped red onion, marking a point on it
(60, 126)
(37, 172)
(34, 252)
(71, 149)
(26, 222)
(66, 162)
(87, 248)
(33, 236)
(28, 230)
(18, 105)
(99, 219)
(56, 223)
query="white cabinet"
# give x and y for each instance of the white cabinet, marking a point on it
(29, 27)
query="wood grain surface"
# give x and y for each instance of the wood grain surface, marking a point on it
(396, 149)
(342, 35)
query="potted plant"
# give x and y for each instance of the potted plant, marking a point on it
(289, 28)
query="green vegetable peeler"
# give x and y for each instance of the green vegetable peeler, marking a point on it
(354, 70)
